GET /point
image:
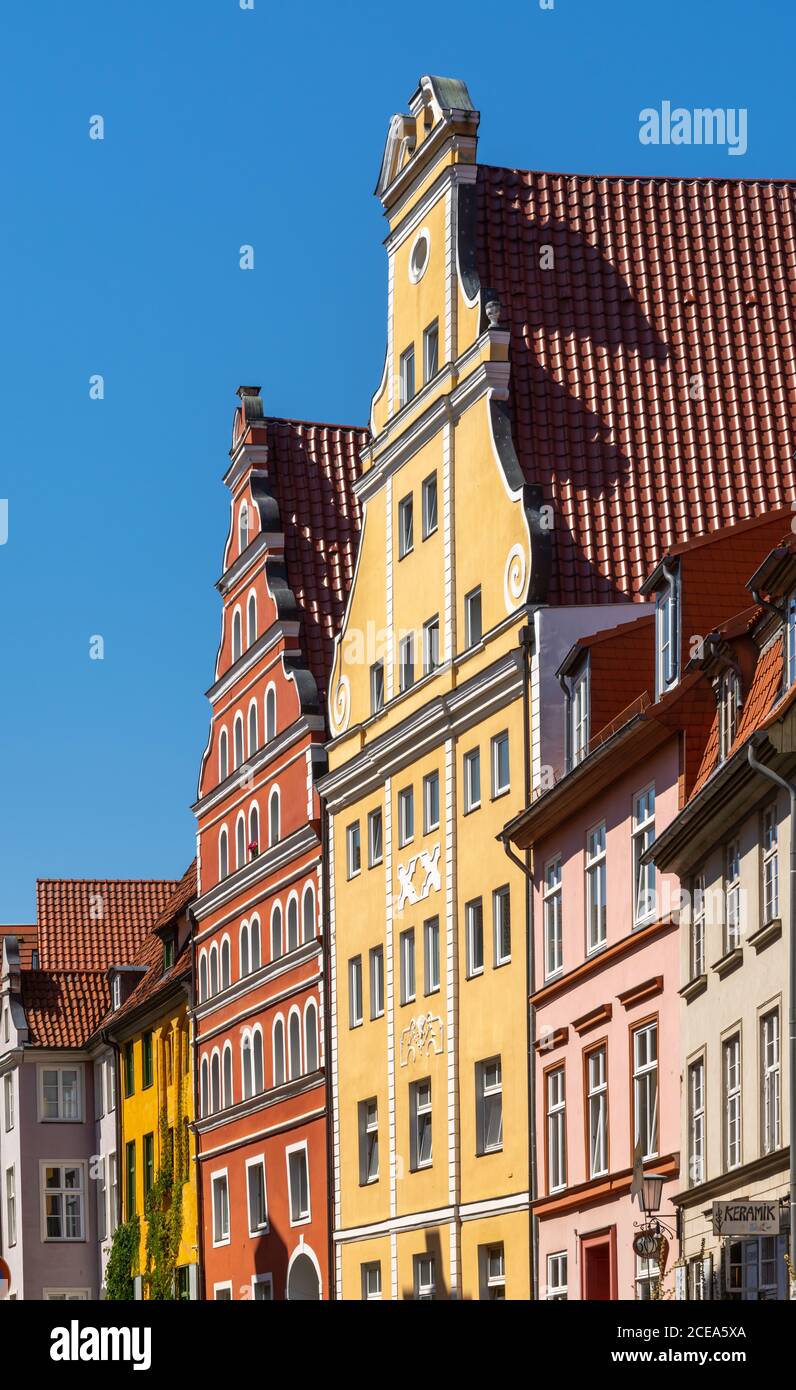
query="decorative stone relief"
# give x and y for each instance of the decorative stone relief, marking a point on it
(428, 864)
(423, 1037)
(340, 712)
(515, 579)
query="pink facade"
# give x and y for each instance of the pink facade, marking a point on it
(607, 1023)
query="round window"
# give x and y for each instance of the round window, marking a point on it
(418, 256)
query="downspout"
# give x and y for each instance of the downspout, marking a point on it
(200, 1225)
(327, 1061)
(790, 788)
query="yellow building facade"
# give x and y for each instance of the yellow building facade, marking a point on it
(427, 917)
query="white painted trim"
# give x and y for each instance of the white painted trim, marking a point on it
(255, 1161)
(302, 1145)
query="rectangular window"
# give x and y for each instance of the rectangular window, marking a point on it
(371, 1282)
(770, 1081)
(430, 521)
(492, 1266)
(431, 955)
(696, 1122)
(756, 1271)
(557, 1277)
(406, 816)
(407, 949)
(11, 1207)
(406, 526)
(263, 1288)
(147, 1073)
(375, 838)
(648, 1276)
(99, 1090)
(425, 1278)
(489, 1106)
(431, 351)
(353, 850)
(474, 921)
(110, 1078)
(420, 1120)
(643, 874)
(406, 662)
(500, 764)
(596, 921)
(553, 929)
(501, 925)
(8, 1099)
(472, 780)
(377, 981)
(645, 1089)
(556, 1131)
(220, 1188)
(63, 1198)
(732, 896)
(129, 1069)
(431, 645)
(698, 927)
(368, 1117)
(355, 991)
(129, 1179)
(597, 1081)
(299, 1184)
(731, 1072)
(579, 717)
(102, 1201)
(113, 1193)
(376, 687)
(770, 865)
(431, 802)
(257, 1196)
(407, 368)
(472, 617)
(668, 640)
(149, 1163)
(729, 705)
(59, 1095)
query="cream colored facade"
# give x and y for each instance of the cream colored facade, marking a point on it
(467, 1209)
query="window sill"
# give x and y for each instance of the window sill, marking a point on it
(728, 962)
(429, 829)
(500, 963)
(376, 862)
(485, 1153)
(694, 987)
(764, 935)
(475, 974)
(358, 1024)
(476, 806)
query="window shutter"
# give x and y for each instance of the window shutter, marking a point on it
(680, 1273)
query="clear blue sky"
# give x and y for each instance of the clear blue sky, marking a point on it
(225, 126)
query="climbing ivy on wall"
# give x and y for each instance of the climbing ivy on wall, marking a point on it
(123, 1260)
(163, 1209)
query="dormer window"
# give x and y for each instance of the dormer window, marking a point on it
(790, 640)
(729, 696)
(579, 716)
(667, 624)
(116, 992)
(168, 952)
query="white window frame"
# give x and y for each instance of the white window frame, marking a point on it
(291, 1149)
(408, 383)
(365, 1268)
(221, 1175)
(406, 662)
(488, 1089)
(258, 1161)
(63, 1163)
(406, 526)
(353, 849)
(375, 818)
(430, 489)
(10, 1199)
(732, 1095)
(376, 972)
(377, 687)
(471, 918)
(368, 1117)
(556, 1127)
(472, 773)
(66, 1295)
(732, 895)
(644, 877)
(696, 1121)
(596, 875)
(729, 702)
(430, 822)
(356, 1008)
(553, 900)
(667, 638)
(501, 918)
(557, 1287)
(408, 966)
(61, 1067)
(431, 649)
(472, 604)
(493, 1282)
(224, 1286)
(406, 816)
(770, 1081)
(500, 788)
(645, 1076)
(425, 1284)
(431, 956)
(579, 716)
(417, 1112)
(8, 1101)
(262, 1279)
(698, 921)
(770, 865)
(597, 1109)
(430, 364)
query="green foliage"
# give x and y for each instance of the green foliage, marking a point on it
(123, 1260)
(163, 1210)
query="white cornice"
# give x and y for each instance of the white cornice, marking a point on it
(271, 541)
(245, 456)
(275, 633)
(269, 862)
(269, 753)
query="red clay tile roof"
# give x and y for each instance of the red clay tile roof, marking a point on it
(184, 893)
(63, 1007)
(663, 291)
(89, 924)
(27, 940)
(762, 698)
(150, 955)
(312, 470)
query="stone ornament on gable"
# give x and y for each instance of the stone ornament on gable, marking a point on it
(429, 864)
(340, 711)
(422, 1038)
(515, 578)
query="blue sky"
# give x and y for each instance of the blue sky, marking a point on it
(226, 126)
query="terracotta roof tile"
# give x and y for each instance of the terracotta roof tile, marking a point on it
(89, 924)
(653, 371)
(762, 698)
(150, 955)
(27, 940)
(63, 1007)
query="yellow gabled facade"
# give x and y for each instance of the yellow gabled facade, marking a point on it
(468, 1207)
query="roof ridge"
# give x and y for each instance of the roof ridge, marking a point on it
(641, 178)
(315, 424)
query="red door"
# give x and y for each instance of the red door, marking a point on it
(598, 1256)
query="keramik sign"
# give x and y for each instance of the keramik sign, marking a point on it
(742, 1218)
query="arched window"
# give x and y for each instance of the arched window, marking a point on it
(311, 1037)
(246, 1064)
(202, 977)
(215, 1083)
(223, 853)
(294, 1042)
(226, 963)
(251, 620)
(257, 1048)
(223, 755)
(254, 936)
(244, 949)
(276, 932)
(205, 1089)
(214, 969)
(227, 1091)
(273, 817)
(254, 831)
(240, 842)
(308, 913)
(239, 754)
(270, 714)
(243, 527)
(279, 1051)
(252, 728)
(292, 923)
(237, 635)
